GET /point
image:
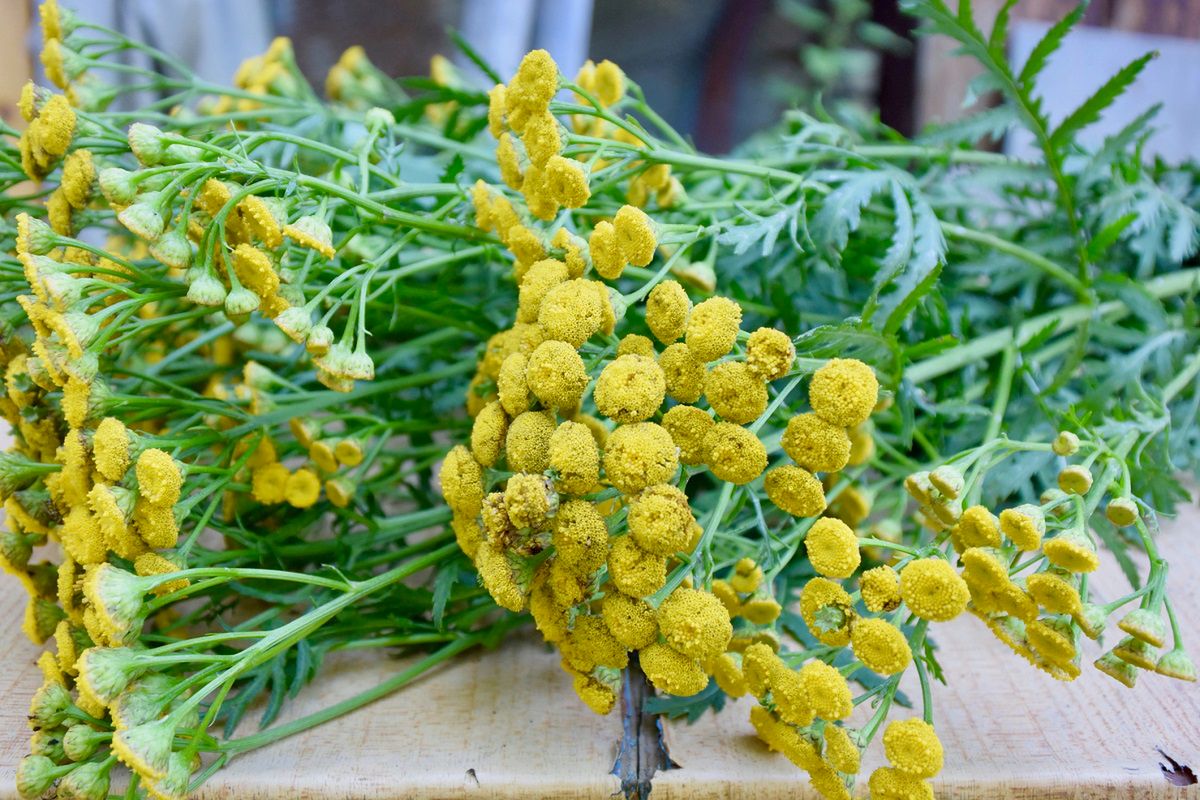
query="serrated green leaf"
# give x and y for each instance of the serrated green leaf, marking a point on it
(998, 40)
(1108, 236)
(1091, 109)
(921, 274)
(1047, 46)
(841, 211)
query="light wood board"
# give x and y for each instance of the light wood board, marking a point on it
(506, 724)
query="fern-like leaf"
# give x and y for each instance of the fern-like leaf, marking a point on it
(1047, 46)
(841, 211)
(1104, 97)
(998, 41)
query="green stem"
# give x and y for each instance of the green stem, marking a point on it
(1169, 285)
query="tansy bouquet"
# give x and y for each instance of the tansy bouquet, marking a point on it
(417, 363)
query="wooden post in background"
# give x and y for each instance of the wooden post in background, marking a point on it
(15, 65)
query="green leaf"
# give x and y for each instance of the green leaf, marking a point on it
(476, 59)
(998, 41)
(992, 123)
(841, 212)
(1104, 97)
(762, 229)
(692, 707)
(442, 584)
(1047, 46)
(1108, 236)
(921, 274)
(903, 237)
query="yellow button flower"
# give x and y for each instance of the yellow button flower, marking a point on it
(660, 519)
(1024, 525)
(541, 277)
(933, 590)
(580, 537)
(158, 476)
(488, 432)
(639, 455)
(573, 311)
(567, 182)
(630, 389)
(1073, 551)
(688, 426)
(667, 309)
(530, 500)
(631, 621)
(304, 487)
(913, 748)
(815, 444)
(712, 328)
(880, 589)
(770, 353)
(635, 235)
(527, 445)
(634, 571)
(735, 393)
(509, 162)
(827, 610)
(795, 490)
(827, 690)
(880, 646)
(844, 392)
(695, 623)
(840, 750)
(977, 527)
(734, 454)
(556, 375)
(634, 344)
(891, 784)
(832, 548)
(605, 251)
(268, 482)
(671, 671)
(1075, 480)
(574, 458)
(684, 373)
(461, 479)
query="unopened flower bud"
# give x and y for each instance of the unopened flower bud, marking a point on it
(1176, 664)
(948, 481)
(240, 301)
(147, 143)
(1075, 479)
(1065, 444)
(206, 290)
(1121, 511)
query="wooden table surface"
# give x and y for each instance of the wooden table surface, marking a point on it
(506, 724)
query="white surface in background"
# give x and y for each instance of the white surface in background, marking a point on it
(503, 32)
(1090, 56)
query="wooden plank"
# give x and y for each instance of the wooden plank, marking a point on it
(506, 724)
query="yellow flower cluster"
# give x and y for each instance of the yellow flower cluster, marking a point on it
(568, 498)
(1039, 613)
(273, 73)
(798, 715)
(51, 127)
(604, 85)
(915, 754)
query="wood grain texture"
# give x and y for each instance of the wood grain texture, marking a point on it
(506, 724)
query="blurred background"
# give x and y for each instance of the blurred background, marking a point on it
(718, 70)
